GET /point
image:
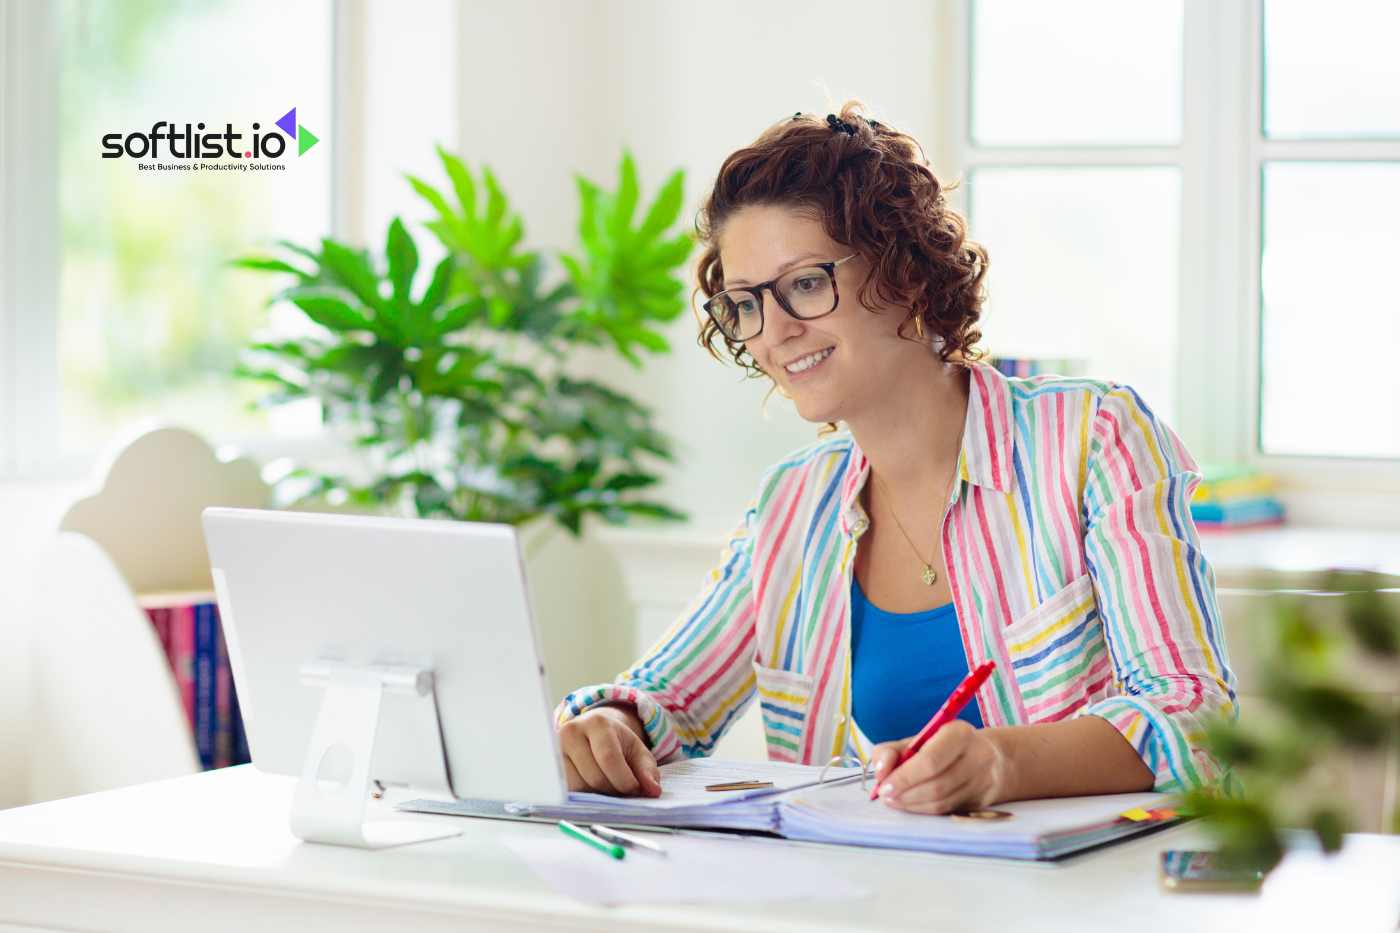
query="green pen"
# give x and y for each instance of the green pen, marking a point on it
(584, 836)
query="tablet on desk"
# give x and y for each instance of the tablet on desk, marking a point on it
(380, 649)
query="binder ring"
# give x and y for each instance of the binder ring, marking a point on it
(839, 761)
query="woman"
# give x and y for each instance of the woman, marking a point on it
(1041, 523)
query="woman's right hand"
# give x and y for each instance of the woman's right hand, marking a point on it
(605, 751)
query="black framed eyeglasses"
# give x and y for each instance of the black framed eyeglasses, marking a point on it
(805, 293)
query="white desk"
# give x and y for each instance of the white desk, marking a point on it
(212, 852)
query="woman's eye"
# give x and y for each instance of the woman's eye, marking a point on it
(808, 283)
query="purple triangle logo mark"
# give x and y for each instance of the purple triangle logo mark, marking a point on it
(288, 123)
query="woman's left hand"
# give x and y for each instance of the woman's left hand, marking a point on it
(960, 768)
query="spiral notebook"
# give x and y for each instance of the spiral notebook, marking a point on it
(831, 805)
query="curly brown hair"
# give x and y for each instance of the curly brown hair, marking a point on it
(870, 186)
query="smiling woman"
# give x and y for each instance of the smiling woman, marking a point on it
(1040, 523)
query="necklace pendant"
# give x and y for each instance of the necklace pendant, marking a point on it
(929, 575)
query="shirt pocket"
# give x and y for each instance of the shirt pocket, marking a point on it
(783, 697)
(1059, 657)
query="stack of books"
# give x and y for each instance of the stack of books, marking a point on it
(187, 625)
(1235, 496)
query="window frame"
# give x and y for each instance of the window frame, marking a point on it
(1221, 157)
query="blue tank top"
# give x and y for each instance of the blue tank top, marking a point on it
(903, 666)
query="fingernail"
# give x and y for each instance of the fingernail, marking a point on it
(887, 792)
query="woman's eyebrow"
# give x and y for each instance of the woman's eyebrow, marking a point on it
(731, 283)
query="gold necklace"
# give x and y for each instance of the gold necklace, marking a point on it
(928, 574)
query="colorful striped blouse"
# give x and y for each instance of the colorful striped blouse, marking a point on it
(1072, 560)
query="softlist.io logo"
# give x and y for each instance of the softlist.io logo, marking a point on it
(202, 150)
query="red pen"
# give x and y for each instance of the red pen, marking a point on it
(946, 714)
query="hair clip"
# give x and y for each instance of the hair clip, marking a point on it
(839, 126)
(797, 115)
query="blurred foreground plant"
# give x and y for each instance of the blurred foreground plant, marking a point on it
(1330, 662)
(459, 392)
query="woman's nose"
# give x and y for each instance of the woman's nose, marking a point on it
(778, 325)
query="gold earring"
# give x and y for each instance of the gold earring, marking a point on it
(919, 325)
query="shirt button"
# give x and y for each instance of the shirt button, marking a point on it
(860, 525)
(840, 719)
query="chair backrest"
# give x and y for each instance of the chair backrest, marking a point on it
(145, 508)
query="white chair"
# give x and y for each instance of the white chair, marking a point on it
(107, 713)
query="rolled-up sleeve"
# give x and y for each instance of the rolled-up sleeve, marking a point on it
(697, 679)
(1156, 593)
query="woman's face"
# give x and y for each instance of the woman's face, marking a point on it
(759, 243)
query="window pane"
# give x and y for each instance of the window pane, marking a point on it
(1083, 264)
(1330, 385)
(1334, 74)
(150, 320)
(1096, 72)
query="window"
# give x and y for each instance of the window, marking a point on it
(1328, 157)
(1186, 197)
(150, 319)
(1074, 184)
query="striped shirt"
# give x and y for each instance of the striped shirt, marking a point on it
(1072, 560)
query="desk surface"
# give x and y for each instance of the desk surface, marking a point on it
(213, 852)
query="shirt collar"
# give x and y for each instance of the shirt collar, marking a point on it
(985, 458)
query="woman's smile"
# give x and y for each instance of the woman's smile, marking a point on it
(804, 366)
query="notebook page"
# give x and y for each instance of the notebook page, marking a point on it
(845, 814)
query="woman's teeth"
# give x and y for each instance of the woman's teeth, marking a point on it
(807, 362)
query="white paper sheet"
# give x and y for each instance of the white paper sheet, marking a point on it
(694, 870)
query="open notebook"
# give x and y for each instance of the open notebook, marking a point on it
(805, 804)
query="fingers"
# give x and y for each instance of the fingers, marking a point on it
(955, 790)
(577, 752)
(607, 757)
(592, 775)
(607, 752)
(884, 756)
(938, 755)
(572, 778)
(642, 763)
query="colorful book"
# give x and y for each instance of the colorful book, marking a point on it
(191, 635)
(223, 700)
(182, 656)
(206, 632)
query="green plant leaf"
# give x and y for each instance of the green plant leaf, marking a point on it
(268, 264)
(328, 309)
(403, 262)
(436, 292)
(665, 210)
(431, 195)
(351, 268)
(625, 203)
